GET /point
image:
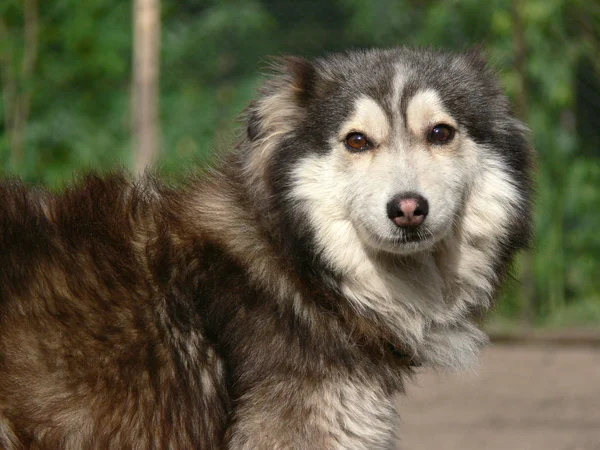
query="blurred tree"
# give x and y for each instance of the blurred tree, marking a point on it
(145, 83)
(78, 103)
(522, 87)
(17, 68)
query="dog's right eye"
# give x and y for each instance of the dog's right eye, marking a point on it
(441, 134)
(357, 142)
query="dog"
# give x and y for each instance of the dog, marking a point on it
(280, 299)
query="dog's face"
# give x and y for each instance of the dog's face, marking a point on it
(395, 171)
(379, 150)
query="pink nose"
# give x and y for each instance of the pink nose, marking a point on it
(408, 206)
(408, 210)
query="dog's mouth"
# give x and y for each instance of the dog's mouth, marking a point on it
(410, 244)
(413, 236)
(402, 242)
(399, 240)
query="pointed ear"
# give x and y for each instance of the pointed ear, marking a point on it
(477, 56)
(280, 106)
(283, 97)
(304, 77)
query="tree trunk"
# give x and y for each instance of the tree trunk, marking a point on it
(17, 88)
(146, 130)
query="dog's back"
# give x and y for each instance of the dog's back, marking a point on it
(89, 355)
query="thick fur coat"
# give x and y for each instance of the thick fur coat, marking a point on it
(273, 302)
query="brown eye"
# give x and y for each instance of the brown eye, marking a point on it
(357, 142)
(441, 134)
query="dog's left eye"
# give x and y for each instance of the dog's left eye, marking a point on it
(357, 142)
(441, 134)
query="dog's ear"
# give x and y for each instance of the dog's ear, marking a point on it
(477, 57)
(283, 97)
(304, 78)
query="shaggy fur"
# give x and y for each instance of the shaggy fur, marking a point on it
(270, 303)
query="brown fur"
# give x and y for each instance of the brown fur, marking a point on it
(119, 330)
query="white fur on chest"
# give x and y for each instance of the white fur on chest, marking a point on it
(409, 297)
(358, 415)
(340, 413)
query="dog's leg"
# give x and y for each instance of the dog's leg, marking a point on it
(340, 414)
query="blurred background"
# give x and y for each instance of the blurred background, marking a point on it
(98, 84)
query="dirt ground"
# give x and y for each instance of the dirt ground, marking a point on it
(522, 397)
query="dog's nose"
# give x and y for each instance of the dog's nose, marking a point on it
(408, 210)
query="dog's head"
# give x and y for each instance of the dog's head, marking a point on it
(389, 151)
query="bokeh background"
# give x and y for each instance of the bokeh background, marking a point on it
(67, 69)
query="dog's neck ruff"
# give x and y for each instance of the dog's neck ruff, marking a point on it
(410, 295)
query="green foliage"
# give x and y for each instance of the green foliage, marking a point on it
(211, 57)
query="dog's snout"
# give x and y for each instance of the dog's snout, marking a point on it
(408, 210)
